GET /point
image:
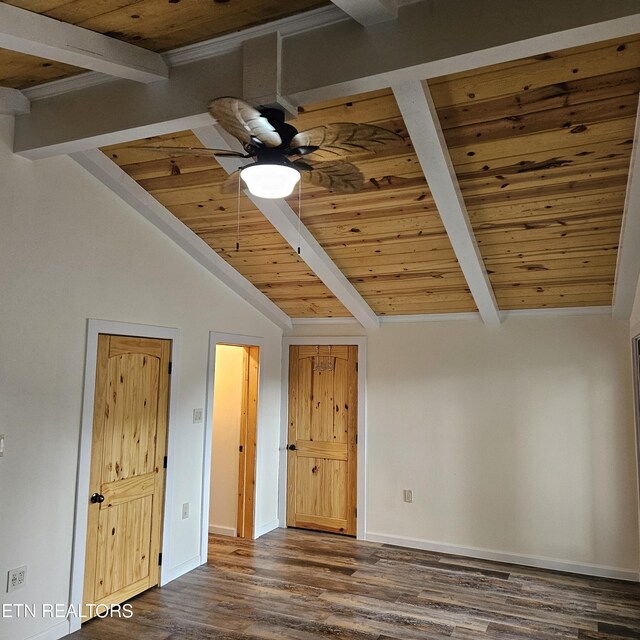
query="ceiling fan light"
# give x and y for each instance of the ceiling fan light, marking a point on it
(270, 180)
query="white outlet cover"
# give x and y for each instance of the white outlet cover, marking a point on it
(185, 510)
(1, 444)
(16, 578)
(197, 416)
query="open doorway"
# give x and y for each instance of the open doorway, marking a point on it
(233, 441)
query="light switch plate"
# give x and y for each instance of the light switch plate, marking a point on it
(1, 444)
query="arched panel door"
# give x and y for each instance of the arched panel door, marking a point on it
(322, 446)
(126, 491)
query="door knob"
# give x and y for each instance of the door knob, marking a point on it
(97, 498)
(292, 447)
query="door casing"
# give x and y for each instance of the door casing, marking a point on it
(361, 343)
(95, 327)
(215, 338)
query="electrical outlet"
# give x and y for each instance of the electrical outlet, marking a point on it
(408, 495)
(197, 416)
(185, 510)
(1, 444)
(16, 578)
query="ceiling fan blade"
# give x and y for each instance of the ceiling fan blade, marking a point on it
(194, 151)
(339, 176)
(341, 139)
(244, 122)
(230, 184)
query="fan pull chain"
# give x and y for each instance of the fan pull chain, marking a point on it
(238, 229)
(299, 211)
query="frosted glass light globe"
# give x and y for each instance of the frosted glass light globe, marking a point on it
(270, 180)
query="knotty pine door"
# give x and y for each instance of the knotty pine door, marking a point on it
(322, 445)
(126, 492)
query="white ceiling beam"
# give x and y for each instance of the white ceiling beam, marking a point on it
(368, 12)
(423, 126)
(428, 39)
(262, 73)
(37, 35)
(285, 221)
(628, 262)
(126, 188)
(13, 102)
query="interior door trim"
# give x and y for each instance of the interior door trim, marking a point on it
(215, 338)
(95, 327)
(361, 343)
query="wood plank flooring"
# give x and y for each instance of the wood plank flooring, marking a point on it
(303, 585)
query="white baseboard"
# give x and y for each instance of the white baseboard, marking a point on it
(223, 531)
(505, 556)
(171, 574)
(265, 528)
(56, 632)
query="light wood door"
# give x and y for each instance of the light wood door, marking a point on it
(322, 445)
(248, 442)
(126, 490)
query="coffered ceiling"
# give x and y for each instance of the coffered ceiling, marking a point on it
(507, 192)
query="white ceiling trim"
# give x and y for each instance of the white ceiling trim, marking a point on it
(556, 312)
(314, 321)
(285, 221)
(13, 102)
(430, 317)
(421, 120)
(438, 37)
(628, 261)
(368, 12)
(125, 187)
(38, 35)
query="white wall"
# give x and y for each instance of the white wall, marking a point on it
(227, 416)
(70, 250)
(517, 439)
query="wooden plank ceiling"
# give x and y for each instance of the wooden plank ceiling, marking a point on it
(158, 25)
(189, 186)
(541, 148)
(388, 240)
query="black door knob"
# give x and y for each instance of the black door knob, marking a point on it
(97, 498)
(292, 447)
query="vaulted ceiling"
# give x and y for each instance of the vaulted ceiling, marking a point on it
(536, 152)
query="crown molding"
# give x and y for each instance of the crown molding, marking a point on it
(557, 312)
(314, 321)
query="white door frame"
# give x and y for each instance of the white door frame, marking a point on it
(361, 343)
(635, 353)
(215, 338)
(95, 327)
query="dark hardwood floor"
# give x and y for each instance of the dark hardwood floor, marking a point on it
(297, 584)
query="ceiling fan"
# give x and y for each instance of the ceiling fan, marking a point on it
(282, 155)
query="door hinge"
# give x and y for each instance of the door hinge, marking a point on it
(241, 449)
(356, 366)
(164, 464)
(356, 510)
(356, 438)
(170, 367)
(159, 559)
